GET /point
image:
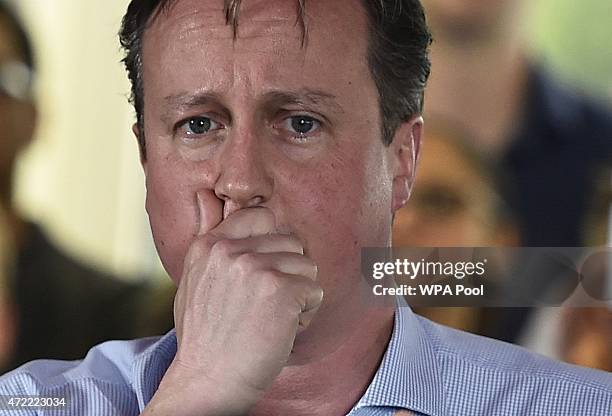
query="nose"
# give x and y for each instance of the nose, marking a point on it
(244, 180)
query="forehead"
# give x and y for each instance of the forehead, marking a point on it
(258, 18)
(194, 33)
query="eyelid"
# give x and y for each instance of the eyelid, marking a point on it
(286, 130)
(180, 128)
(211, 116)
(301, 114)
(284, 113)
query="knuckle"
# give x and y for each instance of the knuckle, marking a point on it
(246, 262)
(222, 248)
(271, 284)
(274, 276)
(199, 247)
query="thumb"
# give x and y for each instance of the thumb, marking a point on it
(210, 211)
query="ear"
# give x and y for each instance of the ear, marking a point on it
(405, 147)
(141, 146)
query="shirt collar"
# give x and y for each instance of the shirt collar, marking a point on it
(408, 377)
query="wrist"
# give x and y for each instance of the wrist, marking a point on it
(188, 392)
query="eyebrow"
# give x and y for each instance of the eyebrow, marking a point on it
(300, 97)
(184, 100)
(303, 97)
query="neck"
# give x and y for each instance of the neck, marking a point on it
(479, 82)
(335, 380)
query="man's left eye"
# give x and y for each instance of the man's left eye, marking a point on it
(198, 126)
(301, 126)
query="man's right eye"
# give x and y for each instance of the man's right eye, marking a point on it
(197, 126)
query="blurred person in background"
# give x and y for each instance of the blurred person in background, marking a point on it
(61, 307)
(587, 332)
(458, 201)
(547, 137)
(586, 336)
(582, 335)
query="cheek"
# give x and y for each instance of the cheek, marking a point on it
(173, 213)
(340, 207)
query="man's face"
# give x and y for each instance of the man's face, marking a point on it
(262, 120)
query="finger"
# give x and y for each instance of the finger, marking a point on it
(246, 222)
(288, 263)
(309, 295)
(210, 211)
(310, 311)
(270, 243)
(306, 318)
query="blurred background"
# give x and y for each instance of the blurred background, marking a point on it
(81, 181)
(77, 262)
(81, 178)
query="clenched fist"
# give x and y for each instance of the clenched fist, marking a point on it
(245, 292)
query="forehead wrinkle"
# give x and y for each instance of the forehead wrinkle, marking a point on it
(183, 19)
(191, 25)
(273, 30)
(189, 16)
(269, 11)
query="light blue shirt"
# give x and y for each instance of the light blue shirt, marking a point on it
(428, 369)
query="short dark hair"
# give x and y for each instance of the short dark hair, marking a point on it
(398, 54)
(21, 36)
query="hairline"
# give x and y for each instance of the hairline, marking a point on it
(232, 14)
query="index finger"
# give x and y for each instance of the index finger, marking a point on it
(243, 223)
(210, 211)
(247, 222)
